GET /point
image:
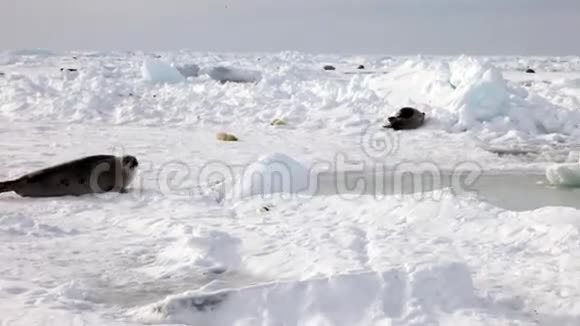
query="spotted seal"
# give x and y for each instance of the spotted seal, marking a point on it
(87, 175)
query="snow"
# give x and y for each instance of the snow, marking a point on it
(206, 250)
(338, 300)
(157, 71)
(199, 240)
(275, 173)
(472, 94)
(368, 262)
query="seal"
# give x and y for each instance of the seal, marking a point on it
(406, 118)
(87, 175)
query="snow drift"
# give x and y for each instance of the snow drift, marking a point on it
(275, 173)
(408, 295)
(198, 252)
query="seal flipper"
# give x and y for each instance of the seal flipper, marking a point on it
(8, 186)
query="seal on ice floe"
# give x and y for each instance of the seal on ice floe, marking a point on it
(91, 174)
(406, 118)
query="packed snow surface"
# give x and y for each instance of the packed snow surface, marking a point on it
(182, 249)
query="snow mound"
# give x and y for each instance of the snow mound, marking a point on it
(564, 174)
(206, 250)
(236, 75)
(411, 294)
(274, 173)
(188, 70)
(156, 71)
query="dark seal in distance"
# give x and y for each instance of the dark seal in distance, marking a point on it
(88, 175)
(406, 118)
(329, 67)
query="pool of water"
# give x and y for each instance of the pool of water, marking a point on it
(509, 190)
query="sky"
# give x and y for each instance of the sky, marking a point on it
(438, 27)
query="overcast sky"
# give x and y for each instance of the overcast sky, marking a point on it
(541, 27)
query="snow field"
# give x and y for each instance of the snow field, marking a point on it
(164, 256)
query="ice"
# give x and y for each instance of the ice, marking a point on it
(188, 70)
(481, 97)
(156, 71)
(236, 75)
(573, 156)
(564, 174)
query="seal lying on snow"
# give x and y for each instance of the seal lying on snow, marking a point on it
(406, 118)
(91, 174)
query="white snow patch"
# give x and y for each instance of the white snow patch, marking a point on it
(273, 174)
(157, 71)
(73, 294)
(18, 224)
(567, 83)
(200, 251)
